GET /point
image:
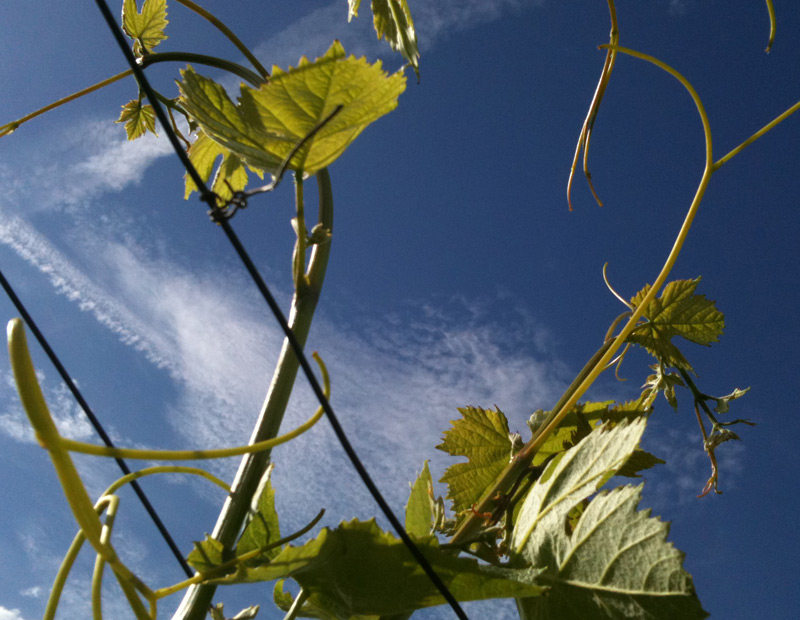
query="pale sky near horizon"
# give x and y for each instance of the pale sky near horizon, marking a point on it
(457, 277)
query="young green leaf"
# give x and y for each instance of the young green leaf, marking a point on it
(481, 436)
(231, 175)
(138, 119)
(262, 527)
(419, 510)
(677, 312)
(639, 461)
(723, 402)
(663, 381)
(358, 569)
(616, 564)
(270, 121)
(393, 22)
(565, 435)
(206, 555)
(147, 27)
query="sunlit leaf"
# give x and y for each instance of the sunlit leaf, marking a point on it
(138, 119)
(352, 10)
(206, 555)
(665, 382)
(615, 564)
(723, 402)
(564, 436)
(231, 174)
(358, 569)
(419, 510)
(270, 121)
(566, 482)
(147, 27)
(262, 526)
(393, 22)
(639, 461)
(677, 312)
(482, 436)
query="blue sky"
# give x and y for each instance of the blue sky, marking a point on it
(457, 276)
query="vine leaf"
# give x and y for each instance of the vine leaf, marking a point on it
(352, 9)
(262, 527)
(583, 414)
(231, 173)
(206, 555)
(677, 312)
(138, 119)
(147, 27)
(723, 402)
(568, 480)
(639, 461)
(420, 506)
(663, 381)
(315, 606)
(615, 564)
(358, 569)
(393, 22)
(482, 436)
(270, 121)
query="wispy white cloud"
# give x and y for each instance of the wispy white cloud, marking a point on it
(77, 164)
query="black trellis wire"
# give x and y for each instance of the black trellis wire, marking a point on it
(98, 427)
(218, 216)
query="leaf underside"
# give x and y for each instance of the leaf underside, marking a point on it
(616, 563)
(268, 122)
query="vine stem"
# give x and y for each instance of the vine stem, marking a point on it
(11, 127)
(203, 59)
(219, 25)
(588, 124)
(603, 356)
(197, 600)
(771, 11)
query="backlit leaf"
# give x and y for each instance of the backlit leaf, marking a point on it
(419, 510)
(393, 22)
(206, 555)
(138, 119)
(147, 27)
(352, 10)
(677, 312)
(262, 526)
(482, 436)
(562, 437)
(270, 121)
(231, 175)
(616, 564)
(639, 461)
(566, 482)
(357, 569)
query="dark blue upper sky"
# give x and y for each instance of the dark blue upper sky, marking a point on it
(458, 276)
